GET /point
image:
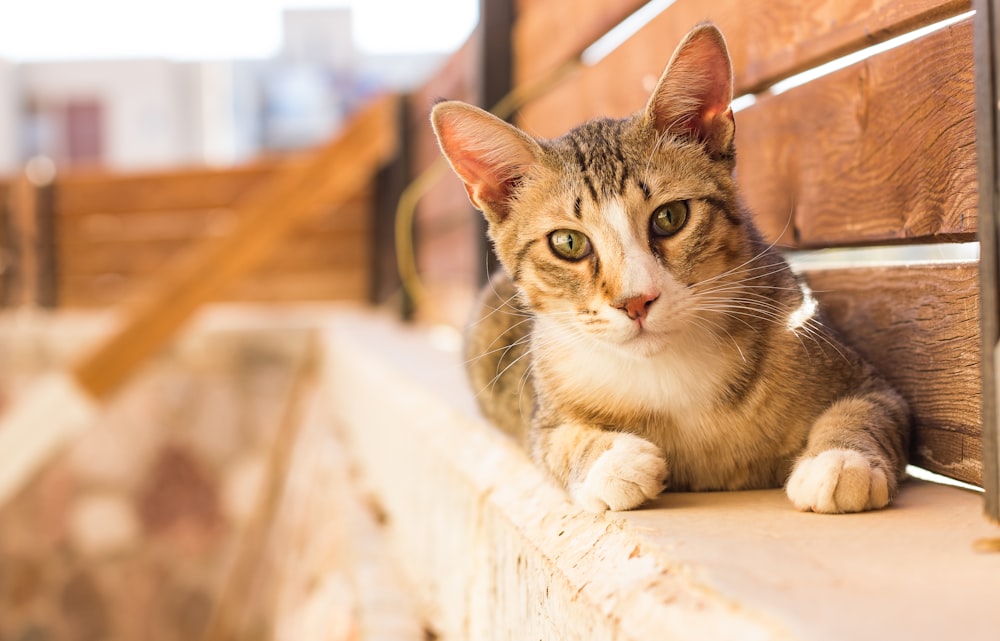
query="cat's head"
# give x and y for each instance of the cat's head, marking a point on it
(607, 229)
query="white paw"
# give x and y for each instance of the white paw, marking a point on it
(837, 481)
(624, 476)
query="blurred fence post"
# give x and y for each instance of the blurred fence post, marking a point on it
(390, 182)
(29, 237)
(6, 244)
(496, 80)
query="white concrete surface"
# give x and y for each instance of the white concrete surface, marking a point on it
(498, 552)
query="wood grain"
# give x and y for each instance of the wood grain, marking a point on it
(882, 151)
(773, 39)
(548, 33)
(768, 39)
(920, 326)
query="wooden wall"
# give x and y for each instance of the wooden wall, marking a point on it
(879, 152)
(114, 232)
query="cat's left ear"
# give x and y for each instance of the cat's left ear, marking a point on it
(489, 155)
(693, 95)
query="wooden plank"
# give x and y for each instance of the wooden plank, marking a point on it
(140, 226)
(920, 326)
(772, 39)
(194, 188)
(315, 251)
(546, 34)
(104, 257)
(333, 173)
(105, 290)
(769, 40)
(882, 151)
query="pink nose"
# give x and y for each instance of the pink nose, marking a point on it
(636, 306)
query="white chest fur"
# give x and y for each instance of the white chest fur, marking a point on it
(682, 381)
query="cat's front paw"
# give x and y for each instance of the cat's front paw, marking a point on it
(623, 477)
(838, 481)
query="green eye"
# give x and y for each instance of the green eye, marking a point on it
(569, 244)
(668, 219)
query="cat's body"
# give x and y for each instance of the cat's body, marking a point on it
(646, 332)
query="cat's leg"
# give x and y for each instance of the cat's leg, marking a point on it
(601, 469)
(855, 455)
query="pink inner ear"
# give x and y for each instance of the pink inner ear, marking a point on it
(486, 184)
(489, 155)
(708, 69)
(696, 88)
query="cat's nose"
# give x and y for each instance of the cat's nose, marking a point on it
(636, 306)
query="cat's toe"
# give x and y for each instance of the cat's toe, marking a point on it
(838, 481)
(631, 471)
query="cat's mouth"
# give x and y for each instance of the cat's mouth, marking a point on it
(640, 339)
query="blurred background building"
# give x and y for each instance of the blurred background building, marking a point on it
(153, 113)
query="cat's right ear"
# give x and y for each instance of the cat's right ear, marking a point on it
(693, 96)
(489, 155)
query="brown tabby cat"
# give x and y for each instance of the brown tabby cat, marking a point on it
(646, 333)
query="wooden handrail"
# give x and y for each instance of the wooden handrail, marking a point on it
(331, 176)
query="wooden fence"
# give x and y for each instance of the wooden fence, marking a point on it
(112, 233)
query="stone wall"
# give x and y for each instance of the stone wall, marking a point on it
(130, 533)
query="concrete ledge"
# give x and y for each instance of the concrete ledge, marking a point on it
(496, 551)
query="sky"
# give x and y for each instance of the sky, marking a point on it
(33, 30)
